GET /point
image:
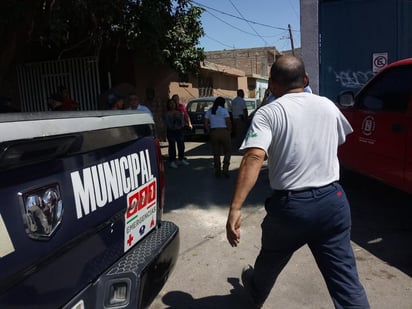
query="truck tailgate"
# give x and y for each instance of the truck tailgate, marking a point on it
(73, 205)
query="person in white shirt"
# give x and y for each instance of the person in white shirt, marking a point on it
(217, 122)
(299, 134)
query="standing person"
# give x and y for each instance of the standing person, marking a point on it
(299, 134)
(174, 132)
(182, 108)
(115, 102)
(239, 113)
(268, 97)
(217, 121)
(61, 100)
(134, 103)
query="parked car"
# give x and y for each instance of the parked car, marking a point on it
(252, 104)
(381, 116)
(196, 109)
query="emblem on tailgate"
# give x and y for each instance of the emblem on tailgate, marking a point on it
(42, 211)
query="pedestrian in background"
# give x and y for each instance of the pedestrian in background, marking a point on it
(183, 109)
(299, 134)
(239, 114)
(115, 101)
(134, 103)
(61, 100)
(268, 97)
(217, 122)
(174, 131)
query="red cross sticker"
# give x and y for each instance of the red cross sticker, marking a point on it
(130, 240)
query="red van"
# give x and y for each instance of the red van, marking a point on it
(381, 117)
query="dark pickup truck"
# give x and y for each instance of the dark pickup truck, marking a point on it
(82, 196)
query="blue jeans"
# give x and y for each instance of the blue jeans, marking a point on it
(320, 218)
(175, 137)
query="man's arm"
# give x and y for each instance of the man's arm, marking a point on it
(187, 118)
(186, 115)
(248, 173)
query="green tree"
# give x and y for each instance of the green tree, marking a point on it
(165, 31)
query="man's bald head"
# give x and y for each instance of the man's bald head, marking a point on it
(288, 73)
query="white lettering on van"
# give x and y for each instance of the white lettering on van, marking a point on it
(98, 185)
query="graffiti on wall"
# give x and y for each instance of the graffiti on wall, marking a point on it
(351, 79)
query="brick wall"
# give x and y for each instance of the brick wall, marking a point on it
(250, 60)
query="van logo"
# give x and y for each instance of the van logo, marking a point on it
(368, 125)
(42, 211)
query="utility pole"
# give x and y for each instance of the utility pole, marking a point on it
(291, 40)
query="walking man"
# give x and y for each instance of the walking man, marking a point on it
(299, 134)
(239, 113)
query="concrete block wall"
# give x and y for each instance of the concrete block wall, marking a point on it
(250, 60)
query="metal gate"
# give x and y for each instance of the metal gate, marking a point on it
(38, 81)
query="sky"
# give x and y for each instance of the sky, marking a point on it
(234, 24)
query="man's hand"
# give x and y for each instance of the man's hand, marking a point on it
(233, 227)
(248, 173)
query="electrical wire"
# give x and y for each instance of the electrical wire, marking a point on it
(240, 18)
(241, 15)
(255, 34)
(234, 27)
(217, 41)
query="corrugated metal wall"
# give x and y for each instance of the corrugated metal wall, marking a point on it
(351, 32)
(38, 81)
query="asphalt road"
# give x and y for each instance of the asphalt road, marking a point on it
(208, 270)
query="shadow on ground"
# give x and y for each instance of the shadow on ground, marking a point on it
(381, 215)
(197, 185)
(181, 300)
(382, 220)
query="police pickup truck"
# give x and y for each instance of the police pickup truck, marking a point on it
(381, 116)
(82, 196)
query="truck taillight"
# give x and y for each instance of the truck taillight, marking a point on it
(42, 211)
(161, 176)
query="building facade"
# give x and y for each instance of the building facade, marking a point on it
(344, 43)
(255, 62)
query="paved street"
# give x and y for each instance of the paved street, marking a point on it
(208, 270)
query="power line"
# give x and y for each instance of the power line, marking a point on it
(266, 43)
(241, 30)
(217, 41)
(293, 8)
(237, 17)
